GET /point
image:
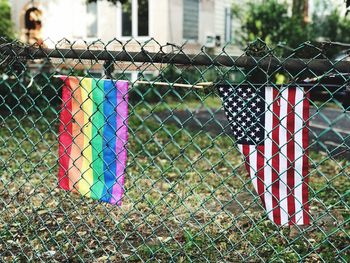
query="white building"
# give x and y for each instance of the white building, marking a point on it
(197, 22)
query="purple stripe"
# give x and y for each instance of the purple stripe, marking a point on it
(121, 140)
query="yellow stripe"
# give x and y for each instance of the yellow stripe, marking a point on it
(87, 179)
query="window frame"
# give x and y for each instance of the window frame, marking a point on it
(134, 21)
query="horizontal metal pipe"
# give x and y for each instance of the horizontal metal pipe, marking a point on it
(291, 65)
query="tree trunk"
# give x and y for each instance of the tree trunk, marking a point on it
(300, 8)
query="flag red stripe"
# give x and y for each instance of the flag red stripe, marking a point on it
(305, 185)
(260, 172)
(246, 153)
(291, 154)
(275, 158)
(65, 136)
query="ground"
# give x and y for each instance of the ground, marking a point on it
(187, 198)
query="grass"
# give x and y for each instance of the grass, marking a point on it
(187, 198)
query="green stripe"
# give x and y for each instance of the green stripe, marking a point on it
(97, 138)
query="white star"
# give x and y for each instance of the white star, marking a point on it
(249, 89)
(249, 119)
(239, 119)
(225, 103)
(243, 124)
(234, 104)
(257, 138)
(253, 104)
(225, 94)
(257, 109)
(230, 99)
(257, 129)
(234, 114)
(244, 114)
(230, 108)
(239, 108)
(239, 89)
(234, 123)
(221, 89)
(239, 128)
(244, 94)
(252, 134)
(258, 99)
(230, 89)
(235, 133)
(230, 118)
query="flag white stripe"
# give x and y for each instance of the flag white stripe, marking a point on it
(298, 138)
(283, 157)
(253, 166)
(268, 152)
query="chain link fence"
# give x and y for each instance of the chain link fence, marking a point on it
(187, 194)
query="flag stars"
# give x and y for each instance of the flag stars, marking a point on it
(243, 111)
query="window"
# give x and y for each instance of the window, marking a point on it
(228, 25)
(190, 19)
(91, 10)
(135, 19)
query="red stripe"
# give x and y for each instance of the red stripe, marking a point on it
(65, 136)
(260, 172)
(305, 185)
(246, 153)
(275, 158)
(291, 154)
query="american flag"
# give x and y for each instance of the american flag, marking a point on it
(270, 125)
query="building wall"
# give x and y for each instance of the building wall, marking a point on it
(68, 19)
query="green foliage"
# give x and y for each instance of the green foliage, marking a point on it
(332, 27)
(6, 27)
(270, 22)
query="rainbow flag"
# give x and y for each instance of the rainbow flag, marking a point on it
(93, 134)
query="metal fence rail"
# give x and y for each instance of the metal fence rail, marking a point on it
(187, 195)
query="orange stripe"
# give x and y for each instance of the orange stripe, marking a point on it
(76, 160)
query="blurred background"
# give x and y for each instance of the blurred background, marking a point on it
(196, 22)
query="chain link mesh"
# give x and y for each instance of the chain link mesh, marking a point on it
(187, 194)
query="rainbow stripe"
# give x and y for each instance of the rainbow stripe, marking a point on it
(92, 137)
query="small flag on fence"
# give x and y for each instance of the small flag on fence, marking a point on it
(92, 137)
(271, 129)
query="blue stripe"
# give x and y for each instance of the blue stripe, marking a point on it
(109, 139)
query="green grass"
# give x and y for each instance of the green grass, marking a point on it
(187, 198)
